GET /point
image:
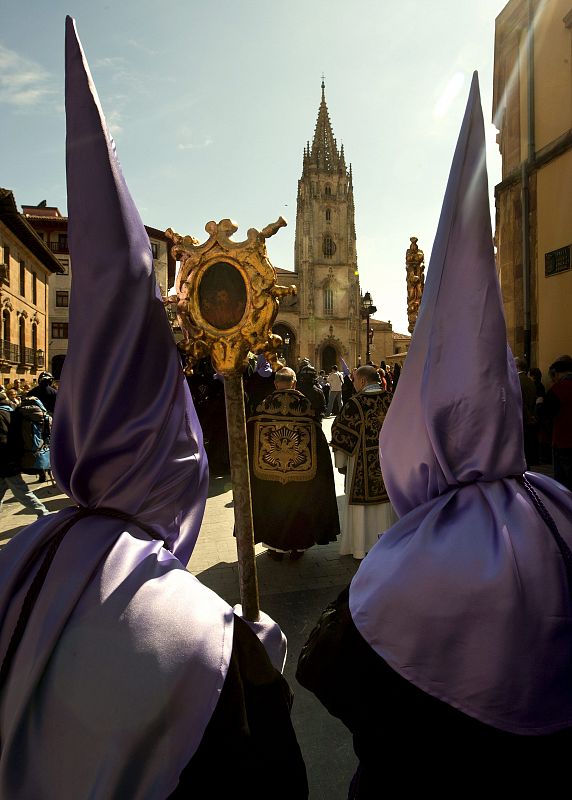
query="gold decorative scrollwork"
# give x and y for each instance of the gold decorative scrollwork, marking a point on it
(227, 298)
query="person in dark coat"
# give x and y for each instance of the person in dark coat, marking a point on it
(307, 384)
(45, 392)
(292, 481)
(449, 657)
(258, 384)
(10, 462)
(35, 423)
(558, 410)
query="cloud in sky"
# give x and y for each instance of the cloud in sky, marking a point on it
(193, 146)
(110, 61)
(114, 122)
(449, 94)
(138, 46)
(23, 83)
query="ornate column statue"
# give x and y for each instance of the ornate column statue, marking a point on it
(415, 268)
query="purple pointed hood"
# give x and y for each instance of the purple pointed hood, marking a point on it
(437, 434)
(126, 435)
(467, 595)
(125, 654)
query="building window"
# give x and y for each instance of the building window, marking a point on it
(328, 215)
(328, 301)
(328, 190)
(22, 332)
(155, 250)
(6, 266)
(65, 264)
(62, 299)
(6, 325)
(329, 246)
(59, 330)
(62, 242)
(34, 289)
(34, 338)
(22, 279)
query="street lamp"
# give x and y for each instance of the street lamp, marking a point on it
(368, 309)
(286, 347)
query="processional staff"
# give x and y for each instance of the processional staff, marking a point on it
(227, 300)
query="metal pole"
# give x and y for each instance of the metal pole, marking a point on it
(367, 352)
(240, 476)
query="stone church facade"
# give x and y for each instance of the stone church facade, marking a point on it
(324, 322)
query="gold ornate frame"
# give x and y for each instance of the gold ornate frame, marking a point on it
(228, 346)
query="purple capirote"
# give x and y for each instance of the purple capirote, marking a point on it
(125, 654)
(467, 596)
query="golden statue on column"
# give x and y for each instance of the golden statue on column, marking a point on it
(415, 267)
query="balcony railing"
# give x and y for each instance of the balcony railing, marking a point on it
(58, 247)
(9, 352)
(21, 355)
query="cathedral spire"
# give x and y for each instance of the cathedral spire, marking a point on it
(324, 153)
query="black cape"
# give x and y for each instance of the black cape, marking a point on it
(292, 481)
(249, 748)
(408, 741)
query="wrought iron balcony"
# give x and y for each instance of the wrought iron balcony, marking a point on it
(24, 356)
(9, 352)
(58, 247)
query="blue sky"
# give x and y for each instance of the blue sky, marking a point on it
(211, 106)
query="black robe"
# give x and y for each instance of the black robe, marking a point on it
(292, 481)
(408, 741)
(249, 748)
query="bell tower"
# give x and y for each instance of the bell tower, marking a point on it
(325, 251)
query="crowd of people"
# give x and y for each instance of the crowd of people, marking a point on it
(448, 657)
(25, 432)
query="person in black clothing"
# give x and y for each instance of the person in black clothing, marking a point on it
(258, 383)
(307, 384)
(45, 392)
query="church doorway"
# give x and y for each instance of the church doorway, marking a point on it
(288, 349)
(329, 358)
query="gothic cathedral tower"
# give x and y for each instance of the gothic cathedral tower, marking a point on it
(325, 252)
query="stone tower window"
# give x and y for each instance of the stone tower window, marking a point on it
(328, 190)
(328, 301)
(329, 246)
(328, 215)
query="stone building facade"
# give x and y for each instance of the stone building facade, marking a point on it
(532, 109)
(325, 322)
(52, 228)
(26, 267)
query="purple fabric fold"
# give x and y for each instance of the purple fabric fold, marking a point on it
(467, 595)
(135, 443)
(125, 655)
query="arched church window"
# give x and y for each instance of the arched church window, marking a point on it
(328, 215)
(328, 301)
(328, 189)
(329, 246)
(6, 325)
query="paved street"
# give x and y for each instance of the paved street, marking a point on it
(293, 593)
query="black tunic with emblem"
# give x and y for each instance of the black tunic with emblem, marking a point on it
(356, 433)
(293, 494)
